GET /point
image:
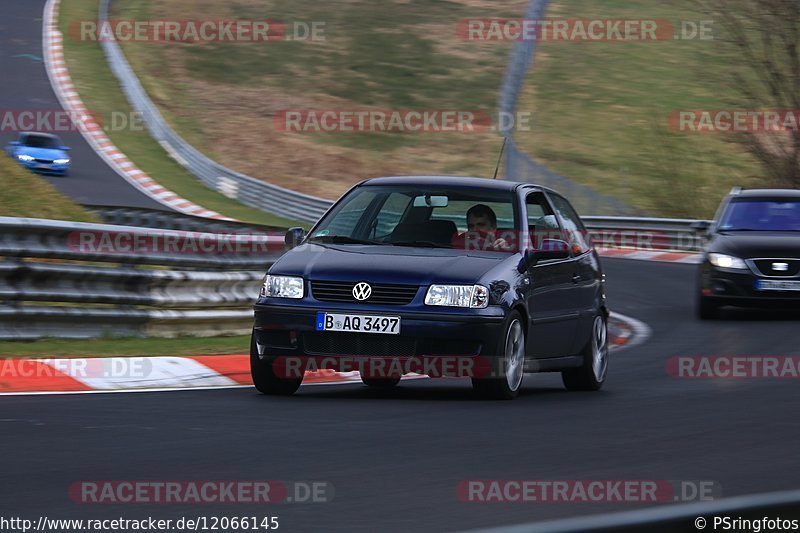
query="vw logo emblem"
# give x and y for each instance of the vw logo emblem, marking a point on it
(362, 291)
(780, 267)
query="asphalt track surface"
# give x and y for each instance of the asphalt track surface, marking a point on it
(26, 87)
(395, 457)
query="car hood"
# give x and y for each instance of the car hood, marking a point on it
(41, 153)
(757, 244)
(386, 264)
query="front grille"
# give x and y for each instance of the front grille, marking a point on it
(370, 344)
(48, 161)
(766, 267)
(382, 293)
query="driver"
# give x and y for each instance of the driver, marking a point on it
(482, 219)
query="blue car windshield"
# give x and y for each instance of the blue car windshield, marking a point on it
(42, 141)
(434, 217)
(762, 214)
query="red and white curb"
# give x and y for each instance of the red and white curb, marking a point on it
(690, 258)
(56, 67)
(117, 374)
(156, 374)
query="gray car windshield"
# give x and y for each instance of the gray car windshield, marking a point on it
(762, 215)
(435, 217)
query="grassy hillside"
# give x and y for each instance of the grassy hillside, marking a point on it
(101, 93)
(24, 194)
(392, 54)
(601, 112)
(600, 109)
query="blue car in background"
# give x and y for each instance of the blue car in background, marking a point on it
(40, 152)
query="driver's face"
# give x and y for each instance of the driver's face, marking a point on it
(479, 223)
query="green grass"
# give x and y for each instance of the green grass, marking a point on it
(183, 346)
(601, 112)
(102, 94)
(600, 109)
(375, 54)
(24, 194)
(384, 55)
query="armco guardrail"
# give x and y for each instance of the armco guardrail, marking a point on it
(249, 191)
(79, 280)
(646, 233)
(174, 220)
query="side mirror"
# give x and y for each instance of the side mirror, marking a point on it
(550, 249)
(701, 226)
(294, 236)
(14, 143)
(553, 249)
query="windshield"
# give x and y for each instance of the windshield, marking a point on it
(435, 217)
(762, 214)
(42, 141)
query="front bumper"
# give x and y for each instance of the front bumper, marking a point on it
(738, 288)
(45, 168)
(429, 342)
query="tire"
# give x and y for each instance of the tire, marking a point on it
(380, 383)
(591, 375)
(264, 377)
(707, 308)
(510, 362)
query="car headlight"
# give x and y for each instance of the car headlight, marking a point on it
(282, 287)
(61, 161)
(23, 157)
(727, 261)
(474, 296)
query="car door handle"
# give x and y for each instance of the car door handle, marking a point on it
(576, 278)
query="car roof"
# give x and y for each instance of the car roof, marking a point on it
(39, 133)
(451, 181)
(765, 193)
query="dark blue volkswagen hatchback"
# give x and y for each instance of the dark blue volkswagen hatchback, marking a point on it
(443, 276)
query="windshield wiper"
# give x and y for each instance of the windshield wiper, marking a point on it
(340, 239)
(422, 244)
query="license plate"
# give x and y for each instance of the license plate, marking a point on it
(776, 285)
(358, 323)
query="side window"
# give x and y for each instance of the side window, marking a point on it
(578, 238)
(542, 222)
(390, 214)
